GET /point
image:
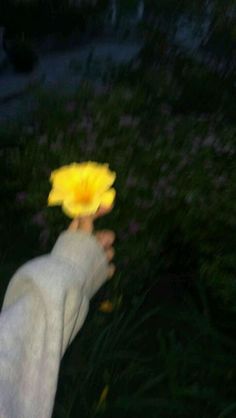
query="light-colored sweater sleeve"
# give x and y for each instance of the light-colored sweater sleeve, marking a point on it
(45, 305)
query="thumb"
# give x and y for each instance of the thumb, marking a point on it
(84, 223)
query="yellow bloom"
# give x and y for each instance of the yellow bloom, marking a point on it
(82, 188)
(106, 306)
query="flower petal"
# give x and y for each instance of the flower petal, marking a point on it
(65, 177)
(56, 197)
(73, 209)
(82, 188)
(108, 197)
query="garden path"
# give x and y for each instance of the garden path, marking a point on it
(58, 70)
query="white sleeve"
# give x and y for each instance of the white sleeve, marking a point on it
(45, 305)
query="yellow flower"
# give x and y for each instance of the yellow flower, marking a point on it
(106, 306)
(82, 188)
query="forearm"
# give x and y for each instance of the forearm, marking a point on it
(45, 306)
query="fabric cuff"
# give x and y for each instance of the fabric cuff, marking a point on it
(83, 251)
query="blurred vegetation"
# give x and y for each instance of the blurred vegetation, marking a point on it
(43, 17)
(166, 125)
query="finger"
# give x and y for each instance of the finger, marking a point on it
(103, 211)
(105, 238)
(110, 254)
(111, 271)
(74, 225)
(84, 223)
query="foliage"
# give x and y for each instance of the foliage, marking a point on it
(181, 170)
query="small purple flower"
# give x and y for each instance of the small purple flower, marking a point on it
(131, 181)
(134, 227)
(86, 124)
(209, 141)
(44, 237)
(70, 106)
(39, 219)
(21, 197)
(128, 121)
(100, 89)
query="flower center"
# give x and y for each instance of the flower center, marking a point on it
(84, 195)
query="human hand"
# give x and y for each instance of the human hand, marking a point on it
(105, 238)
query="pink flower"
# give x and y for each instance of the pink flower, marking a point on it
(44, 237)
(86, 124)
(134, 227)
(39, 219)
(100, 89)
